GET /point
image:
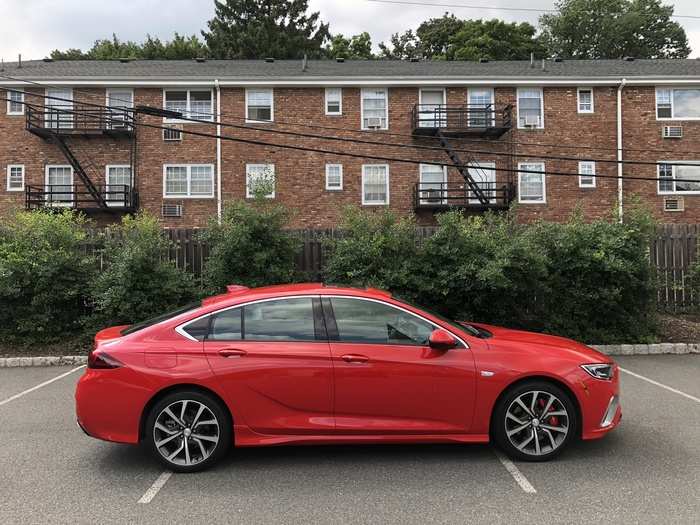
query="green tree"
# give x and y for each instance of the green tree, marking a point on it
(180, 47)
(449, 38)
(265, 28)
(593, 29)
(356, 47)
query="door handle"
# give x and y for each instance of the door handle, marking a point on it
(232, 352)
(355, 358)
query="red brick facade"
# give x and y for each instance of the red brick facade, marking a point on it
(300, 176)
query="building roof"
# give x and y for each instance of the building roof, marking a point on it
(350, 70)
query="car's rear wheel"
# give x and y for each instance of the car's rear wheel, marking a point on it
(534, 421)
(188, 431)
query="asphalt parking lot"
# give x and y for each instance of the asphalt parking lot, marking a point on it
(647, 471)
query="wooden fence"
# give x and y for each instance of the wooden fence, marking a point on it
(672, 251)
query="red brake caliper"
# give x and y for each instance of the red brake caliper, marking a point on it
(553, 420)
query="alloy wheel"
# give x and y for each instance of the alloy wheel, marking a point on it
(186, 432)
(537, 423)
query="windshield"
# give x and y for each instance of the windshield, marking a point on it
(163, 317)
(473, 330)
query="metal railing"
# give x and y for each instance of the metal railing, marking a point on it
(461, 117)
(79, 117)
(116, 196)
(447, 194)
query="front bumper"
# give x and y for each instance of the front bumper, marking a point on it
(600, 406)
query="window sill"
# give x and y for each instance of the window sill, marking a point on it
(188, 196)
(532, 202)
(375, 204)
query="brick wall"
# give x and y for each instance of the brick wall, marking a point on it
(300, 176)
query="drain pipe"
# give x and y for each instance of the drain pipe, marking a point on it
(218, 150)
(619, 148)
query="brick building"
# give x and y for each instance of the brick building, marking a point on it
(66, 141)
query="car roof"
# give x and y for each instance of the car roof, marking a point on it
(238, 293)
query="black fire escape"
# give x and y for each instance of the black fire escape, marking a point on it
(447, 122)
(68, 125)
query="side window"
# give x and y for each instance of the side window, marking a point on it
(362, 321)
(280, 320)
(226, 326)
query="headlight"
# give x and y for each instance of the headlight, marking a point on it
(599, 371)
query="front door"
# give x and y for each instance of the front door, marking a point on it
(59, 107)
(272, 361)
(432, 111)
(484, 174)
(387, 379)
(59, 186)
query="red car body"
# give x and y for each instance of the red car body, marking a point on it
(327, 391)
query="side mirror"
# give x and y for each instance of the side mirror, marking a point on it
(441, 340)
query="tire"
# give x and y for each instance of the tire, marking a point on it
(525, 436)
(178, 444)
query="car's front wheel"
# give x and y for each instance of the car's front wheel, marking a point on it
(188, 431)
(534, 421)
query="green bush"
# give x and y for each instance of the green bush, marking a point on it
(138, 282)
(250, 246)
(44, 276)
(376, 249)
(589, 281)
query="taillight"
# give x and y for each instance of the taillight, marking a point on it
(101, 360)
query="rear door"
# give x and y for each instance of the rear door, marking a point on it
(387, 379)
(272, 360)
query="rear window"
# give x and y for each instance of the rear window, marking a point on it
(164, 317)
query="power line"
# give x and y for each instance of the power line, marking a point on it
(435, 149)
(354, 130)
(489, 7)
(367, 156)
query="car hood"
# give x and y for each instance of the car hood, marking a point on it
(506, 337)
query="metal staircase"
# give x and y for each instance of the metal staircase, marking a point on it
(463, 169)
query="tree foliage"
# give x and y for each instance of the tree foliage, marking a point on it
(138, 281)
(250, 29)
(180, 47)
(354, 48)
(594, 29)
(44, 276)
(250, 246)
(450, 38)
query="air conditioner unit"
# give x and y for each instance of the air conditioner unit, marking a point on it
(674, 204)
(170, 209)
(531, 121)
(374, 123)
(431, 196)
(172, 133)
(672, 132)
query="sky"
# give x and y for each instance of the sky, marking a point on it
(35, 27)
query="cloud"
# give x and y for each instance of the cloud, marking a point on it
(36, 27)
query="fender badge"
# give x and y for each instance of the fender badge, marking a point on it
(487, 373)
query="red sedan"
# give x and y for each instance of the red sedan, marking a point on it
(314, 364)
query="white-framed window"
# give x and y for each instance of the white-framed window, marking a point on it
(15, 177)
(375, 184)
(374, 108)
(584, 98)
(188, 181)
(119, 100)
(118, 179)
(260, 177)
(59, 190)
(531, 186)
(530, 108)
(481, 110)
(586, 174)
(15, 102)
(192, 103)
(431, 110)
(259, 105)
(678, 103)
(334, 101)
(432, 187)
(678, 179)
(334, 177)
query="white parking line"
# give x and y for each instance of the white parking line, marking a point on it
(661, 385)
(155, 488)
(37, 387)
(518, 476)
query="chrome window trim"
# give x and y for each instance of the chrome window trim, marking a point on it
(180, 329)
